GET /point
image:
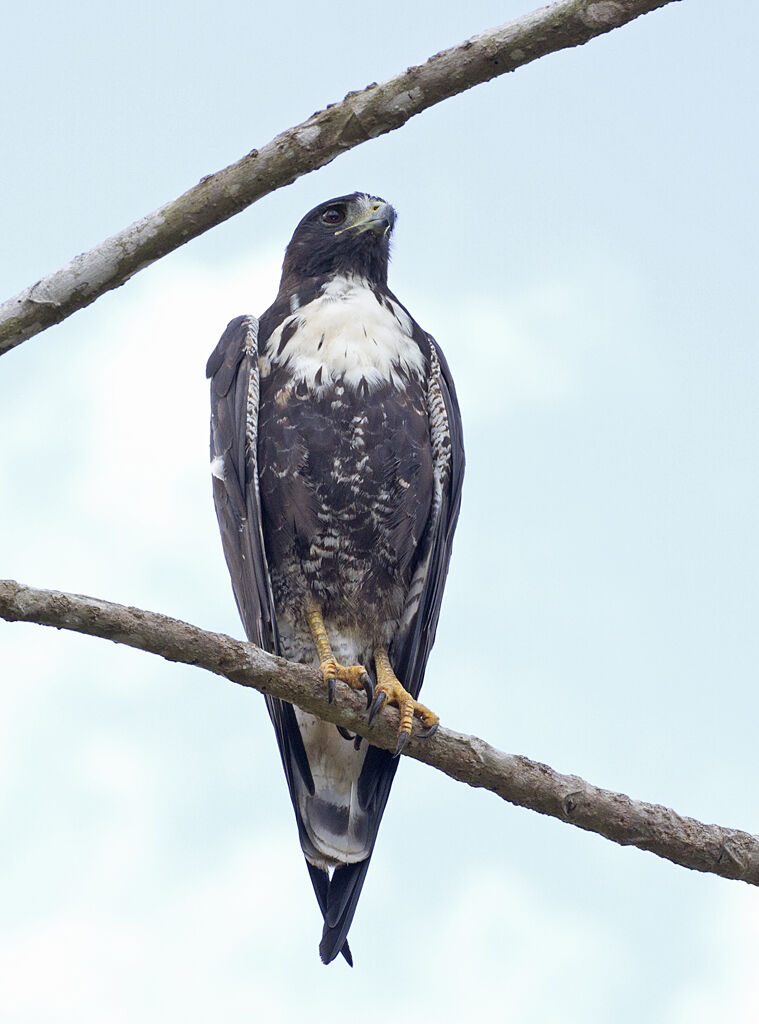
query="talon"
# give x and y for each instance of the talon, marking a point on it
(379, 702)
(354, 675)
(344, 733)
(426, 733)
(402, 737)
(368, 689)
(390, 690)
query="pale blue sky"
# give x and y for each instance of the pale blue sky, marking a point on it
(581, 238)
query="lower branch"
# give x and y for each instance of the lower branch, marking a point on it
(685, 841)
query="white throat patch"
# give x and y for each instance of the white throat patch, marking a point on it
(348, 335)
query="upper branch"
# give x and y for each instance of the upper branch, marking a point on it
(721, 851)
(341, 126)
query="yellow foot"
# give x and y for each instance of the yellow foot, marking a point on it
(389, 690)
(355, 676)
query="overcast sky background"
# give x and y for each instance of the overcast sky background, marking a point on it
(581, 238)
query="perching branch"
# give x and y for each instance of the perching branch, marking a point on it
(317, 141)
(685, 841)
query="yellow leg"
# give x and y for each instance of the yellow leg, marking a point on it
(355, 676)
(389, 690)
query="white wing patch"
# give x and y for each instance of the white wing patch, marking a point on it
(347, 333)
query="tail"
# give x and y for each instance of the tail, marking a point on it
(338, 897)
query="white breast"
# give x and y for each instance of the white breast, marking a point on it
(346, 333)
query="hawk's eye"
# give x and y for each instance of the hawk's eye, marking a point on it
(334, 215)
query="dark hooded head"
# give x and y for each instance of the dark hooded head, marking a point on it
(347, 235)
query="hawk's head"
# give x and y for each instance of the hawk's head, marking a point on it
(347, 235)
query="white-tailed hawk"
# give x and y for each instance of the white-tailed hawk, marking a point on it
(337, 463)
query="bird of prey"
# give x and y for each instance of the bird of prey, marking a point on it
(337, 462)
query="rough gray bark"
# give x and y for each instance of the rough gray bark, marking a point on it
(363, 115)
(685, 841)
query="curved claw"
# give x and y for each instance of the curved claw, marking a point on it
(330, 689)
(344, 733)
(402, 737)
(379, 702)
(368, 688)
(426, 733)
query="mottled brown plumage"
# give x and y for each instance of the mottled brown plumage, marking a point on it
(338, 461)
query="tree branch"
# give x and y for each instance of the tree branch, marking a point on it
(317, 141)
(685, 841)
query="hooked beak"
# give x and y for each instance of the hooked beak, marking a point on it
(379, 218)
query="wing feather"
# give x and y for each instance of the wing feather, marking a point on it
(233, 369)
(412, 644)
